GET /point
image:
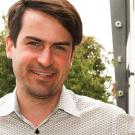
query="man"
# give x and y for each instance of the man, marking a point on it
(41, 44)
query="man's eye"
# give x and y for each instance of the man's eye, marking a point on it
(60, 47)
(33, 43)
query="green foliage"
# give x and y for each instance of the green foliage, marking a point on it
(7, 80)
(87, 76)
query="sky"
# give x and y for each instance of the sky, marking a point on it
(96, 20)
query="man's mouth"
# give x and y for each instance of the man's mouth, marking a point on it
(43, 74)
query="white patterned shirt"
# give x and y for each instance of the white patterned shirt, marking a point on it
(74, 115)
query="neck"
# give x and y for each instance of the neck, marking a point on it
(36, 109)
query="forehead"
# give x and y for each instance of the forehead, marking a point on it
(43, 25)
(38, 17)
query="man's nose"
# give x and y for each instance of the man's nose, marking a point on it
(45, 58)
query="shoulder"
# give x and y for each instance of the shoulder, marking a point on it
(86, 104)
(102, 116)
(6, 102)
(5, 99)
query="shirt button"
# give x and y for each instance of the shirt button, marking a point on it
(37, 131)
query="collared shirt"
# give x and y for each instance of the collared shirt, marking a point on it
(74, 115)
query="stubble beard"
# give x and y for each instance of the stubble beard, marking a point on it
(46, 93)
(41, 89)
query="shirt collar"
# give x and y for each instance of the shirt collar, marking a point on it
(9, 103)
(67, 103)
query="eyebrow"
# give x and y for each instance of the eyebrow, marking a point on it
(67, 43)
(34, 38)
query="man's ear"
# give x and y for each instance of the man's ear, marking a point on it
(9, 47)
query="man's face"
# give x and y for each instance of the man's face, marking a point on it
(42, 57)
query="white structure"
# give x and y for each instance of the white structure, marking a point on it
(131, 58)
(123, 31)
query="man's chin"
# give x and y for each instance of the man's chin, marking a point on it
(42, 93)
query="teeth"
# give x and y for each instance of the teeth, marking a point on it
(43, 74)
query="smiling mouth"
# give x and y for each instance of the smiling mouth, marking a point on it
(43, 74)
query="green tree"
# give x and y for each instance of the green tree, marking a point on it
(87, 76)
(7, 80)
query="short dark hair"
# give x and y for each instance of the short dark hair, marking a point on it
(61, 10)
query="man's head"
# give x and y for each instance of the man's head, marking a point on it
(41, 45)
(61, 10)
